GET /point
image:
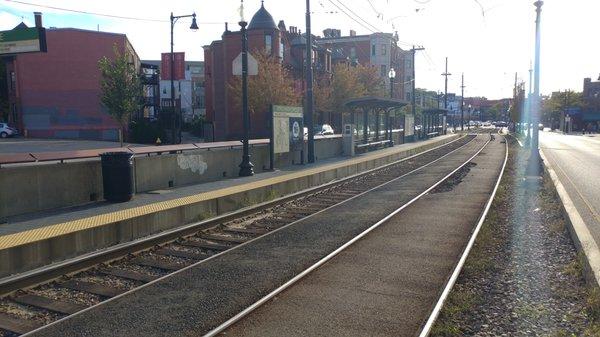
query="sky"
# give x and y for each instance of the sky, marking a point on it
(487, 40)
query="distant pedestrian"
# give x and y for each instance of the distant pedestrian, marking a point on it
(589, 128)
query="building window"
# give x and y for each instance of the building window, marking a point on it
(15, 115)
(268, 44)
(383, 49)
(408, 95)
(373, 47)
(13, 81)
(384, 70)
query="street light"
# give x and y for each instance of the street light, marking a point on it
(469, 118)
(392, 76)
(193, 27)
(245, 166)
(533, 168)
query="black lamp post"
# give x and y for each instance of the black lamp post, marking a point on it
(392, 76)
(308, 113)
(194, 27)
(469, 117)
(246, 167)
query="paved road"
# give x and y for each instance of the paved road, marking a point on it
(576, 161)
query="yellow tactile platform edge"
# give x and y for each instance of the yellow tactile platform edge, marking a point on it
(33, 235)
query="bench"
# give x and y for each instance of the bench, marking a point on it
(432, 134)
(372, 145)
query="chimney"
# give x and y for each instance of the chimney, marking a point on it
(38, 19)
(226, 26)
(352, 32)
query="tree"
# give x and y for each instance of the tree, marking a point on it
(371, 81)
(518, 104)
(272, 85)
(347, 82)
(558, 102)
(121, 88)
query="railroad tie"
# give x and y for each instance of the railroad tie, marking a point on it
(181, 253)
(128, 274)
(60, 307)
(160, 264)
(17, 325)
(92, 288)
(221, 238)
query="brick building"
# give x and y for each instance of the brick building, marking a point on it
(288, 44)
(379, 50)
(57, 94)
(223, 112)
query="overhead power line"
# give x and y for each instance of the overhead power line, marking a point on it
(358, 16)
(100, 14)
(352, 18)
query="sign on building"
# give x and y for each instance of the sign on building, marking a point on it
(23, 40)
(288, 128)
(252, 65)
(179, 66)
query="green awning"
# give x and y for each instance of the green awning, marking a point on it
(591, 117)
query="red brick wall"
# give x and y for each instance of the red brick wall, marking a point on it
(226, 111)
(60, 90)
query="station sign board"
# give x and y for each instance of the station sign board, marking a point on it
(23, 40)
(409, 125)
(288, 128)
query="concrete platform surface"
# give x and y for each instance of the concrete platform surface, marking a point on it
(198, 298)
(387, 283)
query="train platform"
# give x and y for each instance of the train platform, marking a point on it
(35, 240)
(411, 258)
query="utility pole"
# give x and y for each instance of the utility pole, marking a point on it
(534, 158)
(446, 74)
(529, 107)
(462, 102)
(515, 95)
(309, 88)
(413, 103)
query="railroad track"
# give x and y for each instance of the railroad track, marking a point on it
(37, 298)
(425, 328)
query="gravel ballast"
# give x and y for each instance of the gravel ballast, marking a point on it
(523, 277)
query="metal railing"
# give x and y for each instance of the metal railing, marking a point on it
(61, 156)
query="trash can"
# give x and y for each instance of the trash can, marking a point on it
(117, 176)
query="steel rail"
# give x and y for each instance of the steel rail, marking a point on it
(47, 273)
(426, 328)
(331, 255)
(269, 233)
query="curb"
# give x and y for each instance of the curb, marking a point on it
(581, 236)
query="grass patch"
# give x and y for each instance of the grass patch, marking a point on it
(457, 303)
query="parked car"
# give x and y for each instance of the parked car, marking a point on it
(501, 124)
(324, 129)
(7, 131)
